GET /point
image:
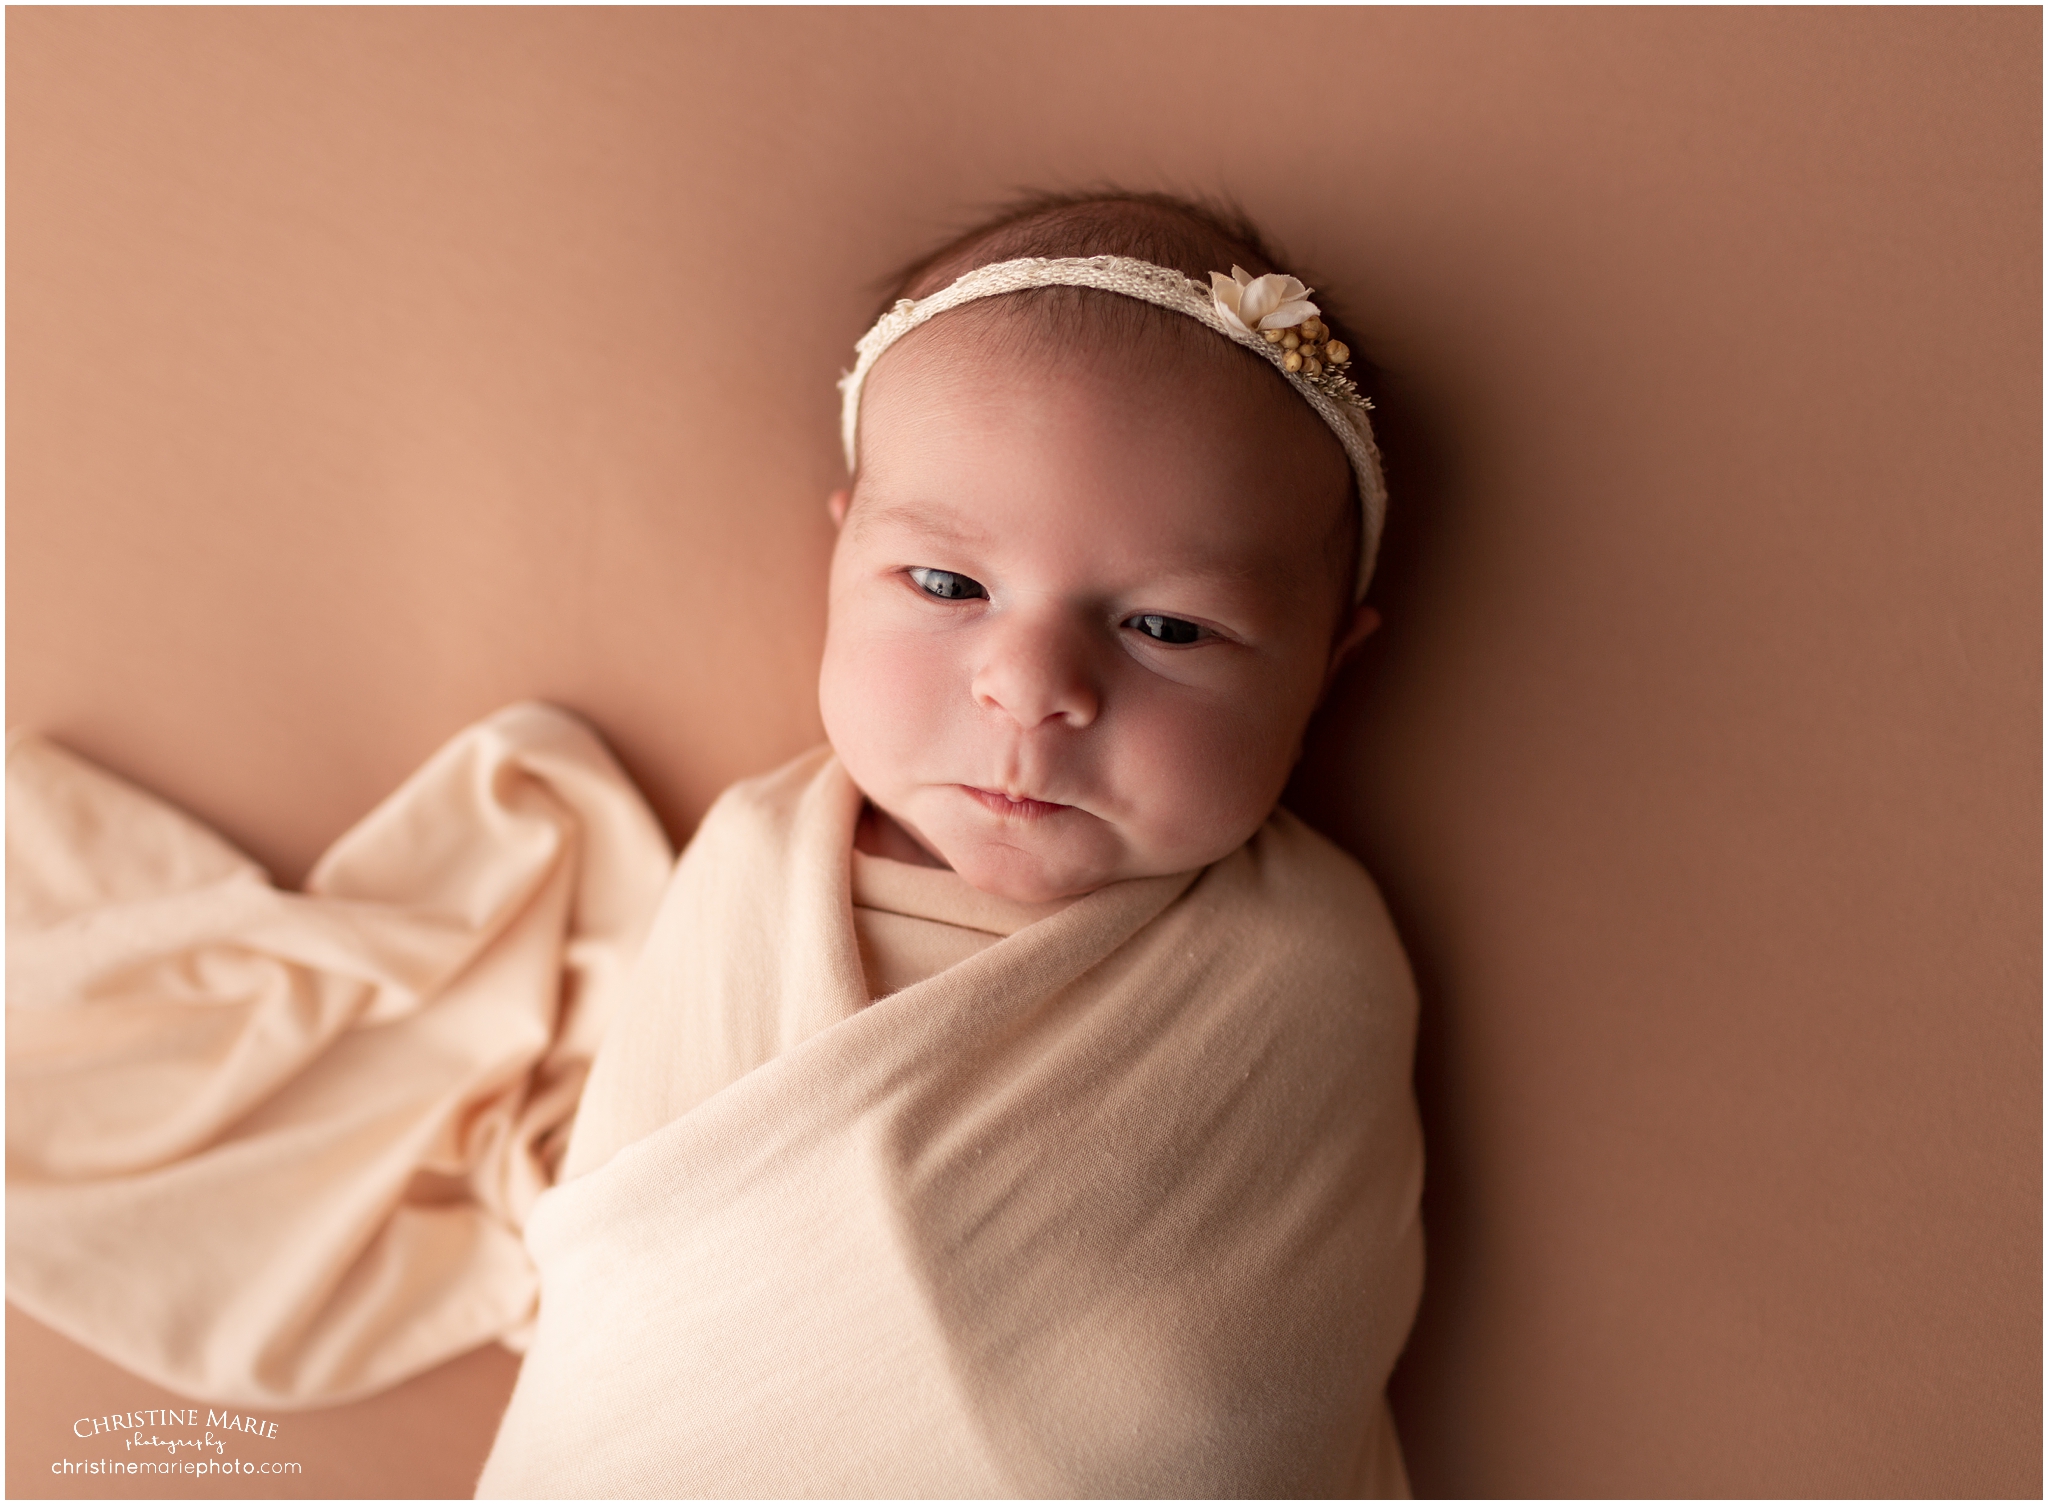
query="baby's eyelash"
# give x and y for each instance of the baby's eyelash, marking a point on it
(951, 585)
(1165, 629)
(948, 585)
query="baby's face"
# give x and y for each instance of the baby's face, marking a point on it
(1080, 612)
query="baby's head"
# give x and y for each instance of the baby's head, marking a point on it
(1096, 567)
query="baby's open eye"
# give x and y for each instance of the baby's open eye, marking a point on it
(946, 585)
(1165, 629)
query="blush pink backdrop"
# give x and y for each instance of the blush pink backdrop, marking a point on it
(369, 369)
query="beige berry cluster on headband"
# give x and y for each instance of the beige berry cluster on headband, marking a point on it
(1275, 308)
(1310, 347)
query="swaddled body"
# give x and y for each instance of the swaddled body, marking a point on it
(1123, 1204)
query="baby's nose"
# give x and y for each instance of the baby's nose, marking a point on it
(1037, 671)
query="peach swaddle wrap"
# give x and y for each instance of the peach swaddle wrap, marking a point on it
(1111, 1197)
(1124, 1202)
(276, 1148)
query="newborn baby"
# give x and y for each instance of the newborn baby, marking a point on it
(1012, 1100)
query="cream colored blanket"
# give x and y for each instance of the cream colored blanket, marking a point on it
(277, 1148)
(1122, 1204)
(1122, 1200)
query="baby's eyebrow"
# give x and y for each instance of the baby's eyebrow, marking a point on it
(910, 515)
(1215, 571)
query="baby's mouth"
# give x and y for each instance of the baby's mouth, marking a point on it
(1013, 808)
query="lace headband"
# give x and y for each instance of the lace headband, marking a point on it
(1270, 315)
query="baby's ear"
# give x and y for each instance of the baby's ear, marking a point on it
(836, 505)
(1363, 620)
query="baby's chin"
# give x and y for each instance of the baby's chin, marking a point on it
(1020, 875)
(1044, 863)
(1034, 862)
(1035, 857)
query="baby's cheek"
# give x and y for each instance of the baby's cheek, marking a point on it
(847, 702)
(1200, 776)
(883, 695)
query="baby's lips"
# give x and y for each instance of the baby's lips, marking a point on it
(1001, 803)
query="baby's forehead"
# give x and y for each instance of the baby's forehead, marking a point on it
(1108, 532)
(1077, 426)
(1163, 383)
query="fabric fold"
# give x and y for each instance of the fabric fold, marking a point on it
(277, 1148)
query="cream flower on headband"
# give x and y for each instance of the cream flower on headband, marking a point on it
(1275, 308)
(1274, 301)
